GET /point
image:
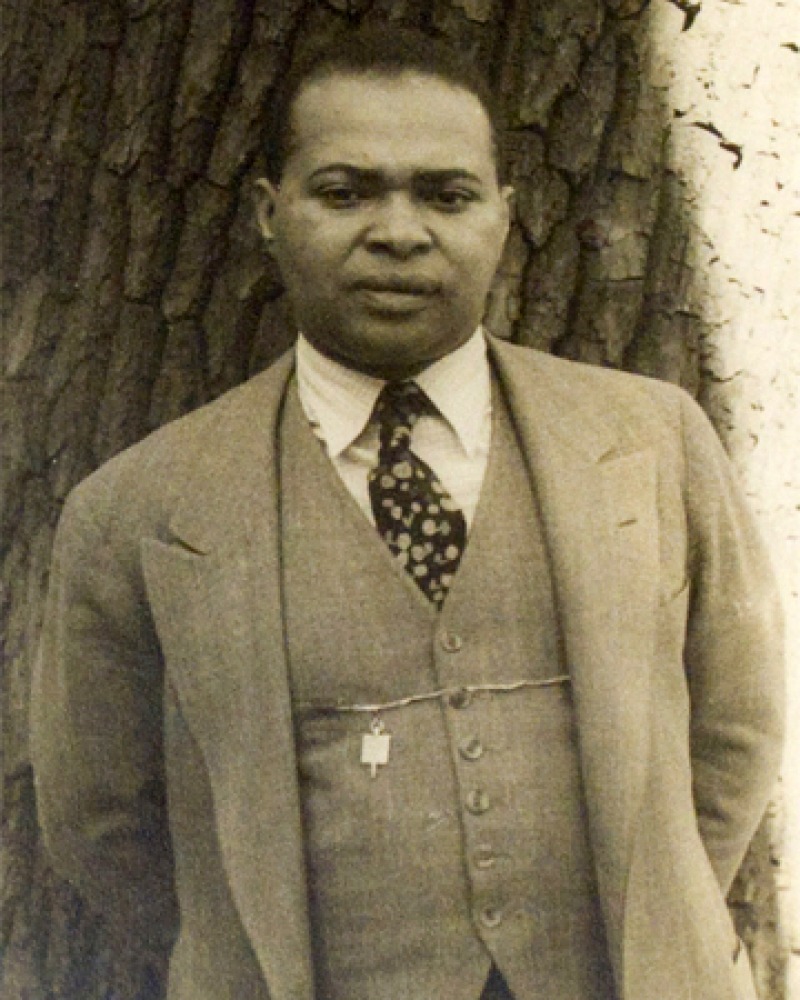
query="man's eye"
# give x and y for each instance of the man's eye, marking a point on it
(451, 199)
(340, 196)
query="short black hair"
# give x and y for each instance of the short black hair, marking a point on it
(373, 52)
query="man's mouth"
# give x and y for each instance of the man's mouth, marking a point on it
(395, 295)
(398, 284)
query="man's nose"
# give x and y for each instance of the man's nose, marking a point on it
(399, 227)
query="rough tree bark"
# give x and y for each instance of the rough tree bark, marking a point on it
(136, 289)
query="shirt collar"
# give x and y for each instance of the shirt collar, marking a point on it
(339, 401)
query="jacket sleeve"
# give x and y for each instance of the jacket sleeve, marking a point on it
(96, 733)
(733, 653)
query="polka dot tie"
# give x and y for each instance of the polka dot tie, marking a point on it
(414, 513)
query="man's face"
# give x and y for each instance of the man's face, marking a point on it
(388, 222)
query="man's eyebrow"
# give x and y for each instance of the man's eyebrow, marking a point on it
(347, 168)
(442, 176)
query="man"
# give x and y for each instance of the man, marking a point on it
(512, 744)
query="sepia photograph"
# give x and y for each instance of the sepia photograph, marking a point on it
(400, 500)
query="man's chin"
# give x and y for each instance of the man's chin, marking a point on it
(390, 365)
(390, 347)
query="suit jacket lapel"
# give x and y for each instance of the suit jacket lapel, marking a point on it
(599, 515)
(218, 586)
(221, 582)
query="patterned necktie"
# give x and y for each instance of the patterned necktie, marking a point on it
(414, 513)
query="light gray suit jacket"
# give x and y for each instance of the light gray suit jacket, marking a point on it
(162, 715)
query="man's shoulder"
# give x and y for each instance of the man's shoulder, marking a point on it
(160, 464)
(615, 395)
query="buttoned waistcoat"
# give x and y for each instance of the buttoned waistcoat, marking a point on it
(162, 714)
(470, 845)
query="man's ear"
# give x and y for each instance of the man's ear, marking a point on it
(266, 196)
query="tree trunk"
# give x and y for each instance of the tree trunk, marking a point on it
(136, 288)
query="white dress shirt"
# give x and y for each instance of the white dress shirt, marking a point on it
(338, 403)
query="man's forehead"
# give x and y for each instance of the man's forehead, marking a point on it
(402, 100)
(396, 117)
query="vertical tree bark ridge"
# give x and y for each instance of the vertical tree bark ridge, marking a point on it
(241, 129)
(68, 129)
(545, 44)
(580, 118)
(141, 142)
(217, 37)
(667, 338)
(755, 907)
(617, 210)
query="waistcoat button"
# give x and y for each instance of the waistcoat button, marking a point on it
(477, 801)
(484, 857)
(451, 642)
(490, 916)
(460, 699)
(471, 749)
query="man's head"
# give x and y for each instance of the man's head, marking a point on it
(384, 205)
